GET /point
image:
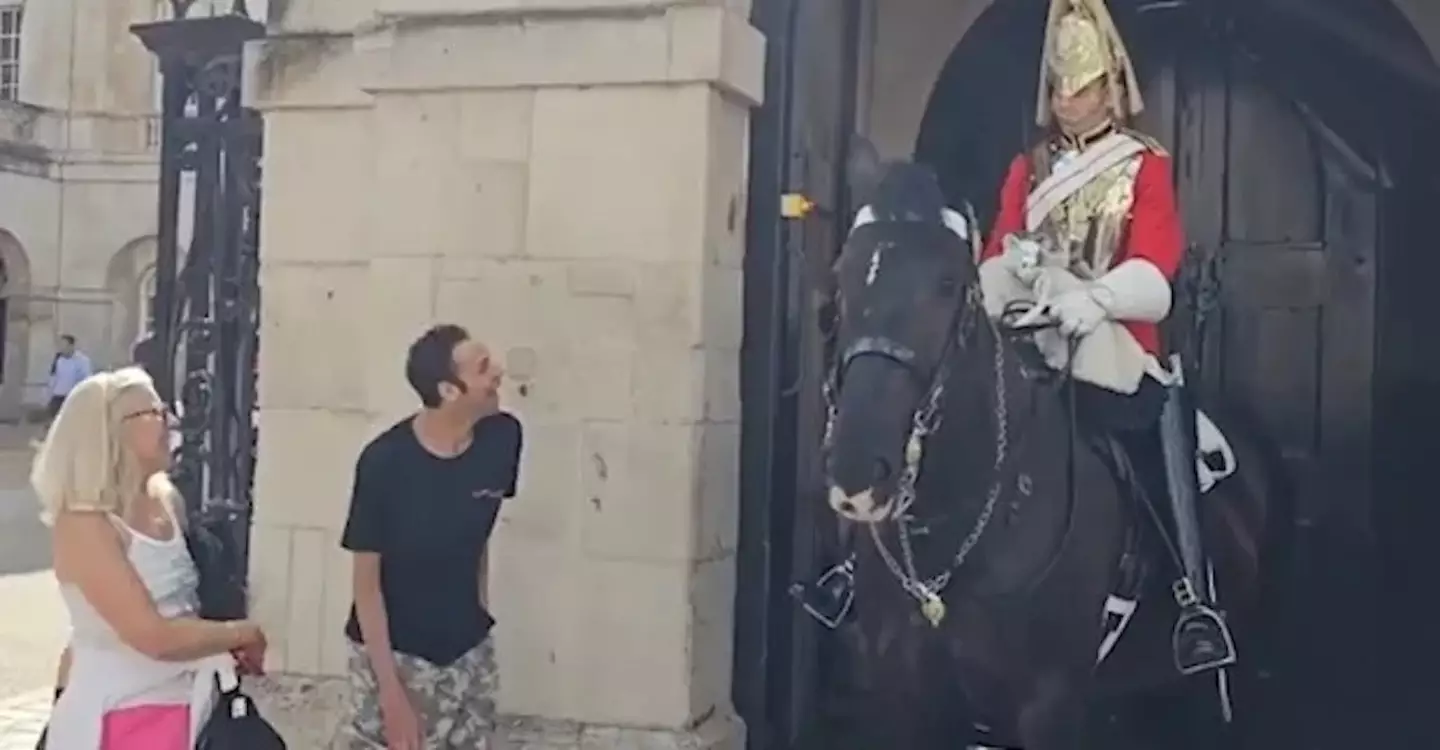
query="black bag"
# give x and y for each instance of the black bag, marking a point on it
(235, 724)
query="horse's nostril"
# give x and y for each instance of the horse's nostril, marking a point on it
(847, 507)
(882, 470)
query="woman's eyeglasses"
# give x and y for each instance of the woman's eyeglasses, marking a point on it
(154, 411)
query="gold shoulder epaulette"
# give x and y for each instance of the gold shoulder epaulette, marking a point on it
(1147, 141)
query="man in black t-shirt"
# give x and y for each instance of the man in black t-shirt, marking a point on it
(427, 491)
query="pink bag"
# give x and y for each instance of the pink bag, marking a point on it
(156, 727)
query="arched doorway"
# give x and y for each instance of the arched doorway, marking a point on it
(130, 281)
(15, 333)
(1295, 168)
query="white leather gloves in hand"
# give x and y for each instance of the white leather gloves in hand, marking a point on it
(1022, 255)
(1134, 290)
(1078, 312)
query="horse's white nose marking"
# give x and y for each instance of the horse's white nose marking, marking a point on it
(859, 507)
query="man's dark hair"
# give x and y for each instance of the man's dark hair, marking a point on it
(67, 338)
(431, 361)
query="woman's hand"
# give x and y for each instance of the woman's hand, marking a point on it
(250, 656)
(249, 663)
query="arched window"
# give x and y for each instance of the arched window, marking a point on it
(146, 290)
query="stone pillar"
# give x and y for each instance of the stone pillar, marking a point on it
(566, 178)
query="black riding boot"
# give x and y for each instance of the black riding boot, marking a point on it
(829, 597)
(1201, 639)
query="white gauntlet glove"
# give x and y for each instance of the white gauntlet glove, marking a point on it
(1078, 312)
(1134, 290)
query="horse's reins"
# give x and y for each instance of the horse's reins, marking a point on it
(926, 421)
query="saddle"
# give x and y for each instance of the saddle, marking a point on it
(1143, 491)
(1216, 459)
(1146, 489)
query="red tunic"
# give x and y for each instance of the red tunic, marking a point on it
(1152, 233)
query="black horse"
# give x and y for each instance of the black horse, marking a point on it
(983, 584)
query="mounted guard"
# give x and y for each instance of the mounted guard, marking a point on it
(1088, 239)
(1089, 235)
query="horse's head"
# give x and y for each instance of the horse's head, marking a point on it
(904, 281)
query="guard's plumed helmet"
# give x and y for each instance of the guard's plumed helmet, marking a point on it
(1083, 45)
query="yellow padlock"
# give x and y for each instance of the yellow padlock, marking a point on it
(795, 206)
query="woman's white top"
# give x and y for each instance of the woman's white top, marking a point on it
(106, 674)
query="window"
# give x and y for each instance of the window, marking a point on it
(165, 11)
(146, 289)
(10, 52)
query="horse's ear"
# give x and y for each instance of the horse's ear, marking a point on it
(863, 170)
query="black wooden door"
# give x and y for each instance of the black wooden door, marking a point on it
(799, 149)
(1294, 223)
(822, 119)
(1289, 210)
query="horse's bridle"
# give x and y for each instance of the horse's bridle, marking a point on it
(957, 333)
(925, 421)
(876, 346)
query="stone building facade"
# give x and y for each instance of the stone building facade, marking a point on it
(568, 180)
(78, 173)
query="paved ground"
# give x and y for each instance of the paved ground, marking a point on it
(21, 720)
(32, 620)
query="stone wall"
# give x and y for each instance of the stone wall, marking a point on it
(76, 235)
(566, 178)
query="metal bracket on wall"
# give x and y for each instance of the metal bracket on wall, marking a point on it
(796, 206)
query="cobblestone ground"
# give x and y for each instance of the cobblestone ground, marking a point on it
(32, 619)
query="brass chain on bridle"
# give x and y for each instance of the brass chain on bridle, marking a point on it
(925, 422)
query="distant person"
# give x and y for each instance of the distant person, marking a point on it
(427, 492)
(145, 354)
(69, 367)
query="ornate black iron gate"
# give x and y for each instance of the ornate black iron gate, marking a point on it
(205, 329)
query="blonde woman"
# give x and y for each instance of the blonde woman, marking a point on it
(143, 665)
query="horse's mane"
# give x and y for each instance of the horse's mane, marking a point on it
(908, 192)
